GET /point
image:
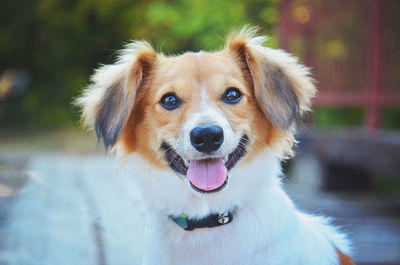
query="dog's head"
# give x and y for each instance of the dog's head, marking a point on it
(199, 115)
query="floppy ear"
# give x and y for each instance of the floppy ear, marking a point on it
(108, 101)
(283, 88)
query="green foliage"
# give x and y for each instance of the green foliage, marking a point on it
(59, 42)
(391, 118)
(340, 117)
(328, 117)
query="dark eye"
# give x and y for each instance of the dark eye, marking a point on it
(232, 95)
(170, 101)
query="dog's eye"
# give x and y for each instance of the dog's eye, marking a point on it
(170, 101)
(232, 95)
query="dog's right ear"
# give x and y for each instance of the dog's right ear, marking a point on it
(108, 101)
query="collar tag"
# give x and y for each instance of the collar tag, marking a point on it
(181, 220)
(223, 218)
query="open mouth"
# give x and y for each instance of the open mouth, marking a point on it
(206, 175)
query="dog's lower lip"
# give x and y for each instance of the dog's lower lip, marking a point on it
(177, 164)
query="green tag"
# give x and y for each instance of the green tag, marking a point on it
(181, 220)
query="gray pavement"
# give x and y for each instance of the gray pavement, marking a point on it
(71, 210)
(75, 209)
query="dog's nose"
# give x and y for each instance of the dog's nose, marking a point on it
(207, 139)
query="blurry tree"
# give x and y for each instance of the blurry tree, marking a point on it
(59, 42)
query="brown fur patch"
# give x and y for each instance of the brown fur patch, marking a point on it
(272, 89)
(344, 259)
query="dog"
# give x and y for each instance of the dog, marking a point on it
(203, 135)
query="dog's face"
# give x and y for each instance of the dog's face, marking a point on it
(199, 115)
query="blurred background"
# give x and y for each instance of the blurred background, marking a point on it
(55, 177)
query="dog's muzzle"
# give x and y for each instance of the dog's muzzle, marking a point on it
(206, 175)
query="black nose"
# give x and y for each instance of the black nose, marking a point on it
(207, 139)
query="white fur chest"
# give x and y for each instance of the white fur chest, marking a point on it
(274, 235)
(266, 227)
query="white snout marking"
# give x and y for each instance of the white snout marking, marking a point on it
(203, 88)
(208, 115)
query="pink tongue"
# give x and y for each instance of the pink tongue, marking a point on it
(207, 174)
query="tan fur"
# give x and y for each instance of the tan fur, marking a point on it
(344, 259)
(144, 76)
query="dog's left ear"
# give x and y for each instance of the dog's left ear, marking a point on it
(282, 86)
(111, 97)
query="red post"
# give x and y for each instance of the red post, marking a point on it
(374, 64)
(284, 17)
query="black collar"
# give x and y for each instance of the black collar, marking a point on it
(209, 221)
